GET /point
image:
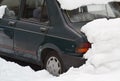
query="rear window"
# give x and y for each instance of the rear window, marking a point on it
(93, 11)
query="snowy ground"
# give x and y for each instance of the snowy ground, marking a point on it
(103, 58)
(12, 72)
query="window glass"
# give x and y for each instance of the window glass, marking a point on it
(94, 11)
(12, 8)
(115, 8)
(35, 11)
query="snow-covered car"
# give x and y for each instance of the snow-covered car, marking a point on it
(40, 32)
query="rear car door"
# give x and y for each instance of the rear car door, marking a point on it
(30, 30)
(7, 25)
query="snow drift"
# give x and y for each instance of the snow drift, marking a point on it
(105, 38)
(73, 4)
(10, 71)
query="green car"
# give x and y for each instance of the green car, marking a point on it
(40, 32)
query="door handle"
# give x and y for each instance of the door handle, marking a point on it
(43, 29)
(11, 23)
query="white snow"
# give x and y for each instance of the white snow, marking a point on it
(104, 56)
(73, 4)
(2, 10)
(12, 72)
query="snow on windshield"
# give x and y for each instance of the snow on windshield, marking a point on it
(73, 4)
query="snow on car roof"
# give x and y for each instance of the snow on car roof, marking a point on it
(73, 4)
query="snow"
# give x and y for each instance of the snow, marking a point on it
(104, 35)
(10, 71)
(2, 10)
(73, 4)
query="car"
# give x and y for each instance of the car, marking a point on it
(40, 32)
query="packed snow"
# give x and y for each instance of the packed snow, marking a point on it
(73, 4)
(105, 38)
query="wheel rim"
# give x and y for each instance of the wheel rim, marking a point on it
(53, 66)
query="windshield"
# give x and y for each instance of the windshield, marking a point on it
(94, 11)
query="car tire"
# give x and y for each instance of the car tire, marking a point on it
(53, 64)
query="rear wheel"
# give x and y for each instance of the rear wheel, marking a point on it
(54, 64)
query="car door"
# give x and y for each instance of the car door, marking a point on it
(29, 32)
(7, 24)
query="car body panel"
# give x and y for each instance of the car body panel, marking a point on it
(26, 40)
(6, 36)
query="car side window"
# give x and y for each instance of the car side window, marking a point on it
(35, 11)
(12, 9)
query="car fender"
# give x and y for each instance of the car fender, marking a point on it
(50, 46)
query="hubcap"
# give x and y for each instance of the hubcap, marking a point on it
(53, 66)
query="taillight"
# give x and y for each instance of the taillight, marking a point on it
(83, 48)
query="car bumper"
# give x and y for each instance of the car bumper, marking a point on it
(72, 61)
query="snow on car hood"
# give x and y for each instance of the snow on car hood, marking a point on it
(73, 4)
(2, 10)
(104, 35)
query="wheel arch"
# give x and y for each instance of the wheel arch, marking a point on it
(43, 51)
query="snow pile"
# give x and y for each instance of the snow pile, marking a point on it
(2, 10)
(104, 56)
(78, 75)
(10, 71)
(73, 4)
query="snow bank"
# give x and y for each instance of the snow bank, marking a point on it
(73, 4)
(10, 71)
(2, 10)
(104, 35)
